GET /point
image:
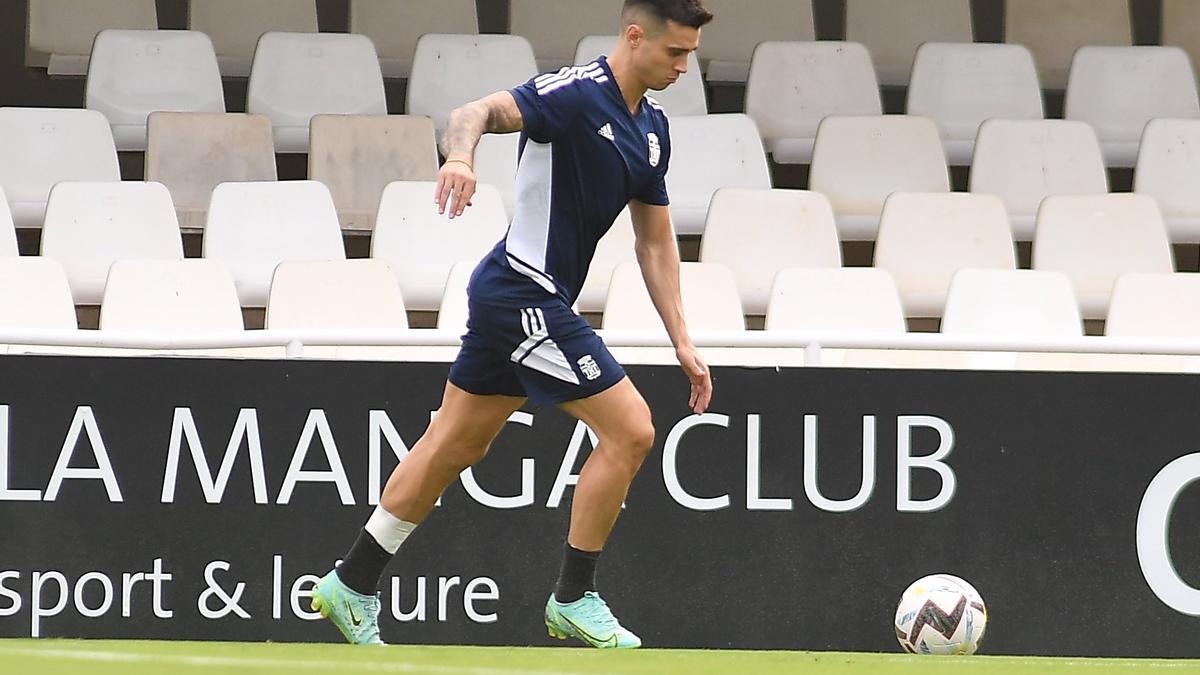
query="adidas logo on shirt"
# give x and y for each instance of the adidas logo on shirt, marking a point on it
(606, 131)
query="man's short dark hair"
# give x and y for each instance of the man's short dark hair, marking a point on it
(685, 12)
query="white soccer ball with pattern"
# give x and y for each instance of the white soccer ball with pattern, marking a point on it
(940, 614)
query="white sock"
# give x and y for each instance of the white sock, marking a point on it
(388, 530)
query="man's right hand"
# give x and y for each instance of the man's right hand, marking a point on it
(455, 186)
(699, 375)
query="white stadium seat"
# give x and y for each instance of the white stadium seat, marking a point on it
(1163, 305)
(236, 25)
(1117, 90)
(842, 299)
(356, 156)
(555, 27)
(89, 226)
(133, 73)
(852, 299)
(184, 297)
(61, 32)
(709, 152)
(44, 146)
(450, 70)
(335, 294)
(396, 25)
(8, 232)
(346, 295)
(1095, 239)
(924, 238)
(36, 294)
(1149, 305)
(452, 313)
(685, 97)
(1024, 161)
(1181, 26)
(859, 160)
(422, 246)
(894, 29)
(254, 226)
(191, 153)
(1054, 29)
(496, 165)
(615, 247)
(178, 296)
(729, 41)
(297, 75)
(708, 291)
(1011, 302)
(757, 233)
(794, 85)
(1168, 169)
(959, 86)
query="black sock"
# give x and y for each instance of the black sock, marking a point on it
(363, 565)
(578, 574)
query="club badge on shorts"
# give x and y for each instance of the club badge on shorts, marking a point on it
(589, 367)
(655, 150)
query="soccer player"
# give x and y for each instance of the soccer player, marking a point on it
(592, 142)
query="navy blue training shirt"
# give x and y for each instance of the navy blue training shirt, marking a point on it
(583, 157)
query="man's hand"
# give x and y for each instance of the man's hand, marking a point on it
(455, 186)
(697, 372)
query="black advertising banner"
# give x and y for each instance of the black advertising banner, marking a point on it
(197, 499)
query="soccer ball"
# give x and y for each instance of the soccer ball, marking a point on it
(940, 614)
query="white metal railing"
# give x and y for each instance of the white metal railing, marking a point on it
(295, 341)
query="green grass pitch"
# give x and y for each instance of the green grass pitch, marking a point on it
(123, 657)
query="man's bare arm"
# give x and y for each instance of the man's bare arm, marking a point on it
(494, 114)
(497, 113)
(658, 256)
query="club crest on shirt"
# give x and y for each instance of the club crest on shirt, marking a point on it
(655, 150)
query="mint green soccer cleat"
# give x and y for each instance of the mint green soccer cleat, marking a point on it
(590, 620)
(355, 614)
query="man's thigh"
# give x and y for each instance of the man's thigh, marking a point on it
(561, 358)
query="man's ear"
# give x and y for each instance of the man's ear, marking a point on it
(634, 34)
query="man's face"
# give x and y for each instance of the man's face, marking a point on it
(662, 56)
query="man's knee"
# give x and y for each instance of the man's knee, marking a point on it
(636, 436)
(455, 448)
(464, 455)
(642, 435)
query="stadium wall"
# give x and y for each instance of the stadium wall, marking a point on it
(790, 516)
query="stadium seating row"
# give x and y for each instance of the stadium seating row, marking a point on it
(355, 156)
(924, 238)
(61, 31)
(252, 226)
(991, 303)
(792, 86)
(859, 161)
(994, 303)
(194, 297)
(297, 75)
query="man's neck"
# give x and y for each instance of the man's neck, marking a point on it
(631, 90)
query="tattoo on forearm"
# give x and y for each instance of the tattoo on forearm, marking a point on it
(465, 126)
(468, 123)
(503, 119)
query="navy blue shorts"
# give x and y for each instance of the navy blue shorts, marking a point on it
(548, 353)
